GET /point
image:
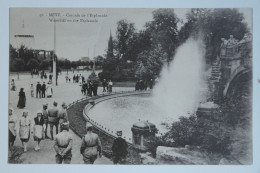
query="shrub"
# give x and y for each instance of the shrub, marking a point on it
(212, 135)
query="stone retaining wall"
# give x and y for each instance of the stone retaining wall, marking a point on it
(89, 106)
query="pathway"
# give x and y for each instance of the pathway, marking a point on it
(64, 92)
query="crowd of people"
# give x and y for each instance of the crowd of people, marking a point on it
(78, 78)
(44, 118)
(43, 74)
(44, 88)
(89, 88)
(90, 148)
(42, 91)
(142, 85)
(54, 121)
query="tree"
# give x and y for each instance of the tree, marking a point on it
(124, 35)
(93, 78)
(150, 62)
(110, 48)
(221, 24)
(32, 63)
(212, 25)
(44, 64)
(99, 60)
(18, 65)
(164, 30)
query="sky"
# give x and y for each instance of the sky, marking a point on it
(79, 32)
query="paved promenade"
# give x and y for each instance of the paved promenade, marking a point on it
(64, 92)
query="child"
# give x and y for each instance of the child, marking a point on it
(13, 88)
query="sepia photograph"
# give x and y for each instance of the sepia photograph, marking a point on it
(130, 86)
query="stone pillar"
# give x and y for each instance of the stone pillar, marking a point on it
(141, 130)
(207, 111)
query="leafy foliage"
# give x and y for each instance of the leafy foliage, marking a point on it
(212, 25)
(164, 31)
(93, 78)
(212, 135)
(149, 63)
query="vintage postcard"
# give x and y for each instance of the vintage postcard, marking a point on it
(131, 86)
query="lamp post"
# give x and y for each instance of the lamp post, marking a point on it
(54, 59)
(94, 59)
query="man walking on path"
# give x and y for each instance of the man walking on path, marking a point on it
(45, 118)
(119, 149)
(90, 146)
(43, 89)
(38, 90)
(63, 145)
(53, 118)
(63, 115)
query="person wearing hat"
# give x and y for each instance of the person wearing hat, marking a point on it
(119, 149)
(38, 129)
(63, 115)
(63, 145)
(45, 118)
(90, 146)
(12, 123)
(24, 130)
(53, 118)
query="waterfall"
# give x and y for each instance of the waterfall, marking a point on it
(178, 90)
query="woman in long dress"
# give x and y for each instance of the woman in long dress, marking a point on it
(22, 99)
(24, 130)
(49, 90)
(12, 127)
(38, 129)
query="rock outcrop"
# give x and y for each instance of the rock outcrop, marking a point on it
(186, 156)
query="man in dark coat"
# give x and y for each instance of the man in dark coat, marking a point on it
(43, 89)
(104, 83)
(119, 149)
(95, 88)
(38, 90)
(84, 87)
(89, 89)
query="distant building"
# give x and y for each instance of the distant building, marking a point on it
(81, 67)
(85, 59)
(44, 54)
